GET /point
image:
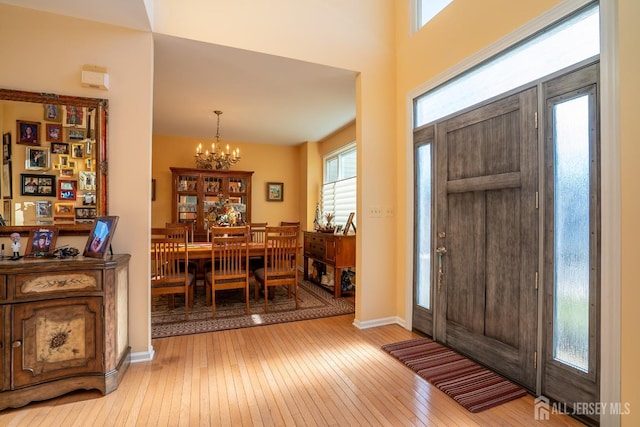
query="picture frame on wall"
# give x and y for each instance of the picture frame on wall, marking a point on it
(44, 209)
(7, 181)
(52, 112)
(27, 133)
(6, 146)
(60, 148)
(53, 132)
(275, 191)
(75, 134)
(37, 185)
(74, 116)
(42, 241)
(8, 214)
(77, 151)
(100, 236)
(67, 189)
(64, 209)
(37, 158)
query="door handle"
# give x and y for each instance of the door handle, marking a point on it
(441, 251)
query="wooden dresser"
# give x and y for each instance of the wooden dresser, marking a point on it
(335, 250)
(64, 327)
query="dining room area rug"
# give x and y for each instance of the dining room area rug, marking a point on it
(314, 302)
(473, 386)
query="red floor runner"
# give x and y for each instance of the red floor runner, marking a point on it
(468, 383)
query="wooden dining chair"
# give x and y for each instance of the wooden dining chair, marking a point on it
(168, 259)
(257, 230)
(280, 262)
(289, 223)
(230, 262)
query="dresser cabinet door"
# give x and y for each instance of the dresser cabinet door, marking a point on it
(330, 249)
(55, 339)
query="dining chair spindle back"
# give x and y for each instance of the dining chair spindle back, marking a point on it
(229, 261)
(168, 259)
(280, 262)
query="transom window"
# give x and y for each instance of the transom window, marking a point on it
(427, 9)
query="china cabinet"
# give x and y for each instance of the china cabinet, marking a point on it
(198, 192)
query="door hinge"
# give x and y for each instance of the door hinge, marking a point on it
(537, 200)
(535, 359)
(535, 119)
(536, 280)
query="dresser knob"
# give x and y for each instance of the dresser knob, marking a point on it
(17, 344)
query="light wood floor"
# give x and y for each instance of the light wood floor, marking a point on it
(321, 372)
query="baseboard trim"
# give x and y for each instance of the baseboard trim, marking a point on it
(380, 322)
(143, 356)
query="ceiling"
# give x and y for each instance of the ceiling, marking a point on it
(264, 98)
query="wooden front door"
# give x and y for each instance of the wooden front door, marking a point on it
(487, 222)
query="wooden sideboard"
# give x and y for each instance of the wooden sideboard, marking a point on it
(335, 250)
(64, 327)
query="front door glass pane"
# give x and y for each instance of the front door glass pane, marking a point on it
(423, 223)
(571, 237)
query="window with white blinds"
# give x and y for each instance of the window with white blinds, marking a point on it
(339, 188)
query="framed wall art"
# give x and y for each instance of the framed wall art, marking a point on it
(87, 181)
(60, 148)
(74, 116)
(6, 146)
(275, 191)
(53, 132)
(77, 151)
(37, 185)
(52, 112)
(44, 209)
(100, 236)
(37, 158)
(75, 134)
(67, 189)
(63, 209)
(28, 132)
(7, 181)
(8, 214)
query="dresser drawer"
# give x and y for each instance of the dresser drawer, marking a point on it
(63, 282)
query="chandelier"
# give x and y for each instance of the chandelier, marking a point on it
(217, 158)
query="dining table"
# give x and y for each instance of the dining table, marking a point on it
(201, 251)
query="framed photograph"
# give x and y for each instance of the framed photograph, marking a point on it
(6, 146)
(44, 209)
(67, 189)
(63, 209)
(7, 181)
(37, 185)
(89, 199)
(42, 241)
(100, 236)
(74, 116)
(28, 132)
(53, 112)
(85, 213)
(75, 134)
(37, 158)
(8, 214)
(349, 224)
(60, 148)
(88, 164)
(67, 172)
(54, 133)
(77, 151)
(275, 191)
(87, 181)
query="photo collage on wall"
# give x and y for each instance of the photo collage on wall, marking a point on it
(57, 180)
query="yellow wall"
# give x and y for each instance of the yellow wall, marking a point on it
(629, 84)
(270, 163)
(356, 35)
(57, 47)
